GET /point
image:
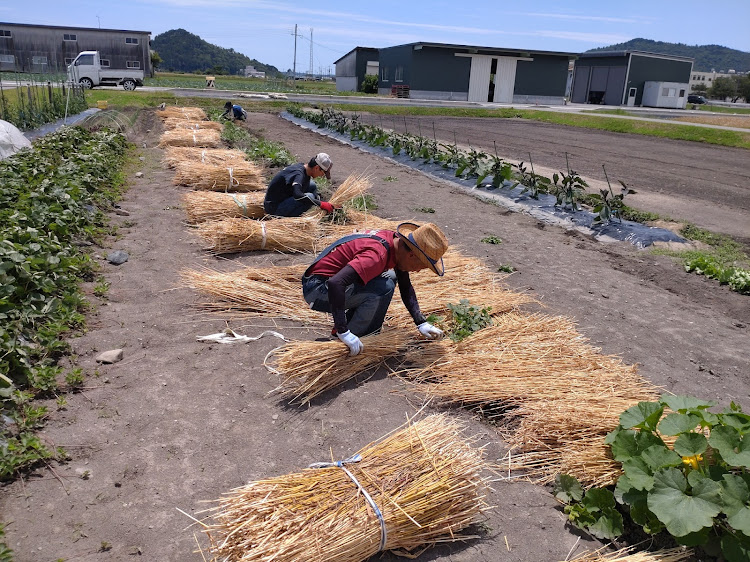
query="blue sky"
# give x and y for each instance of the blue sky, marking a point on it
(263, 29)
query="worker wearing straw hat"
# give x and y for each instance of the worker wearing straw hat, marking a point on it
(292, 191)
(352, 278)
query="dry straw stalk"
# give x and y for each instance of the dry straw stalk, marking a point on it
(229, 236)
(201, 206)
(425, 479)
(213, 156)
(307, 369)
(234, 176)
(188, 113)
(627, 555)
(183, 137)
(353, 186)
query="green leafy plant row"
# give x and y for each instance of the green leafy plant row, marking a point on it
(50, 200)
(685, 473)
(28, 107)
(568, 188)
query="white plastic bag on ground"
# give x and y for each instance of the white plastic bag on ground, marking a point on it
(11, 140)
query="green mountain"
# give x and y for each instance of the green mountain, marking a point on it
(706, 57)
(181, 51)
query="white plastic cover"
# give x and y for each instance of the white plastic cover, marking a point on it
(11, 140)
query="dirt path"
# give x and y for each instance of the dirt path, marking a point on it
(705, 184)
(178, 422)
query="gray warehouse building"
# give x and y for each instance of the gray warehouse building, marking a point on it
(352, 68)
(621, 77)
(49, 48)
(468, 73)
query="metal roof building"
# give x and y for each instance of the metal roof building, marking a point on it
(352, 68)
(471, 73)
(50, 48)
(620, 77)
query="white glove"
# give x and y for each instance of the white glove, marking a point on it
(389, 274)
(429, 331)
(353, 343)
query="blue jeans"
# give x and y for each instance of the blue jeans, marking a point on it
(366, 305)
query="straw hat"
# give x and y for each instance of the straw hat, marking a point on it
(427, 241)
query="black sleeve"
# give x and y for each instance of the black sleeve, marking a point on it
(409, 297)
(336, 295)
(296, 182)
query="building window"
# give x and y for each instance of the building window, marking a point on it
(104, 62)
(682, 93)
(399, 75)
(384, 74)
(38, 60)
(7, 58)
(5, 33)
(131, 40)
(70, 37)
(133, 64)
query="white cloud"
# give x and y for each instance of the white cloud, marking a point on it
(579, 17)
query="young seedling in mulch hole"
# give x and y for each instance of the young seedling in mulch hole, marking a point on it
(571, 188)
(390, 178)
(531, 182)
(492, 239)
(425, 210)
(498, 169)
(608, 204)
(506, 268)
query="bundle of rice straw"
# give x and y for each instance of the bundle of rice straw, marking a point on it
(417, 486)
(191, 113)
(274, 295)
(679, 554)
(228, 236)
(565, 395)
(214, 156)
(352, 187)
(235, 176)
(182, 137)
(307, 369)
(201, 206)
(177, 123)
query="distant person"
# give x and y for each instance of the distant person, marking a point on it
(292, 191)
(236, 110)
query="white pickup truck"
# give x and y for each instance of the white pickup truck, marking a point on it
(86, 69)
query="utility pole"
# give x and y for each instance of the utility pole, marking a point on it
(294, 67)
(311, 53)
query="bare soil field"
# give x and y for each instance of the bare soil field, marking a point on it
(707, 185)
(179, 422)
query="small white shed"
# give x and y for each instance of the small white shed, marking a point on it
(665, 94)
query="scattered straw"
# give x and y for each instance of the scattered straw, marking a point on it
(201, 206)
(235, 176)
(425, 480)
(679, 554)
(177, 123)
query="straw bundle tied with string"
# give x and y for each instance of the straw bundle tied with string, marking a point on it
(201, 206)
(307, 369)
(189, 113)
(679, 554)
(213, 156)
(233, 235)
(420, 485)
(236, 176)
(182, 137)
(177, 123)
